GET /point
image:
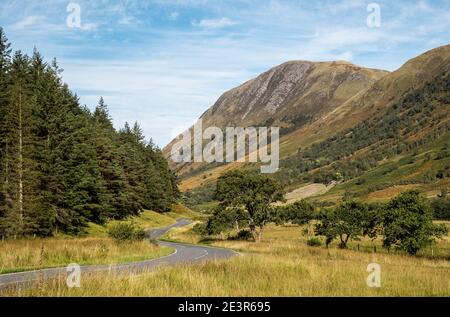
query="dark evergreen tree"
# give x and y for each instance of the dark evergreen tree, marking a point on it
(61, 165)
(5, 60)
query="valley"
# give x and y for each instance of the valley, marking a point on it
(362, 182)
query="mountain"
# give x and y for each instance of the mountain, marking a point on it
(289, 96)
(373, 132)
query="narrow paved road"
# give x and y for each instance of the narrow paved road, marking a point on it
(183, 253)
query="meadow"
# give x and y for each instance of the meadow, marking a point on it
(280, 265)
(26, 255)
(92, 247)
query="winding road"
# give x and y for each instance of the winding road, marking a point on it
(183, 254)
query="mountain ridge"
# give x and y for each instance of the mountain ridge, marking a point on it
(289, 95)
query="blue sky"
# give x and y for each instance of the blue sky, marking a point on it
(164, 62)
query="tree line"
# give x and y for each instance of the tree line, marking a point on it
(247, 206)
(62, 165)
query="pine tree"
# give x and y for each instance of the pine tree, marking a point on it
(61, 165)
(5, 61)
(20, 182)
(116, 187)
(131, 158)
(159, 182)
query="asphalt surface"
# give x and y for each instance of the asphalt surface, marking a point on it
(183, 254)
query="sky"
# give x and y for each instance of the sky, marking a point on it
(164, 62)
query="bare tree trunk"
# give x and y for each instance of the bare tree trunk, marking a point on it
(260, 232)
(20, 162)
(6, 163)
(252, 227)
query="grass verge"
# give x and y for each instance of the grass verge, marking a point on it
(95, 247)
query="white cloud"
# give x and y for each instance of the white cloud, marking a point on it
(27, 22)
(89, 26)
(174, 16)
(214, 23)
(126, 20)
(347, 5)
(346, 56)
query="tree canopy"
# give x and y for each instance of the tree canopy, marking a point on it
(252, 193)
(408, 223)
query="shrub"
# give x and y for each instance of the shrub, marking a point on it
(441, 208)
(244, 235)
(126, 231)
(314, 242)
(200, 228)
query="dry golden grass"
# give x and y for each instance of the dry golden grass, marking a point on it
(23, 255)
(95, 248)
(281, 265)
(306, 191)
(387, 193)
(272, 269)
(147, 220)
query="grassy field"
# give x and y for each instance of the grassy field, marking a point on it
(94, 247)
(281, 265)
(147, 220)
(25, 255)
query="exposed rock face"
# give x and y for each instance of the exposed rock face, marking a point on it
(269, 91)
(290, 92)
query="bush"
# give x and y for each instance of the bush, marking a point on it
(441, 208)
(314, 242)
(200, 229)
(242, 235)
(125, 232)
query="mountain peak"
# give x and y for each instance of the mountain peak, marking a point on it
(289, 92)
(290, 95)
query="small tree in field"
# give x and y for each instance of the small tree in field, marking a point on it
(346, 222)
(408, 224)
(441, 207)
(252, 194)
(224, 219)
(299, 213)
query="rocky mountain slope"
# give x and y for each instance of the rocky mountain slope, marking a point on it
(288, 96)
(359, 121)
